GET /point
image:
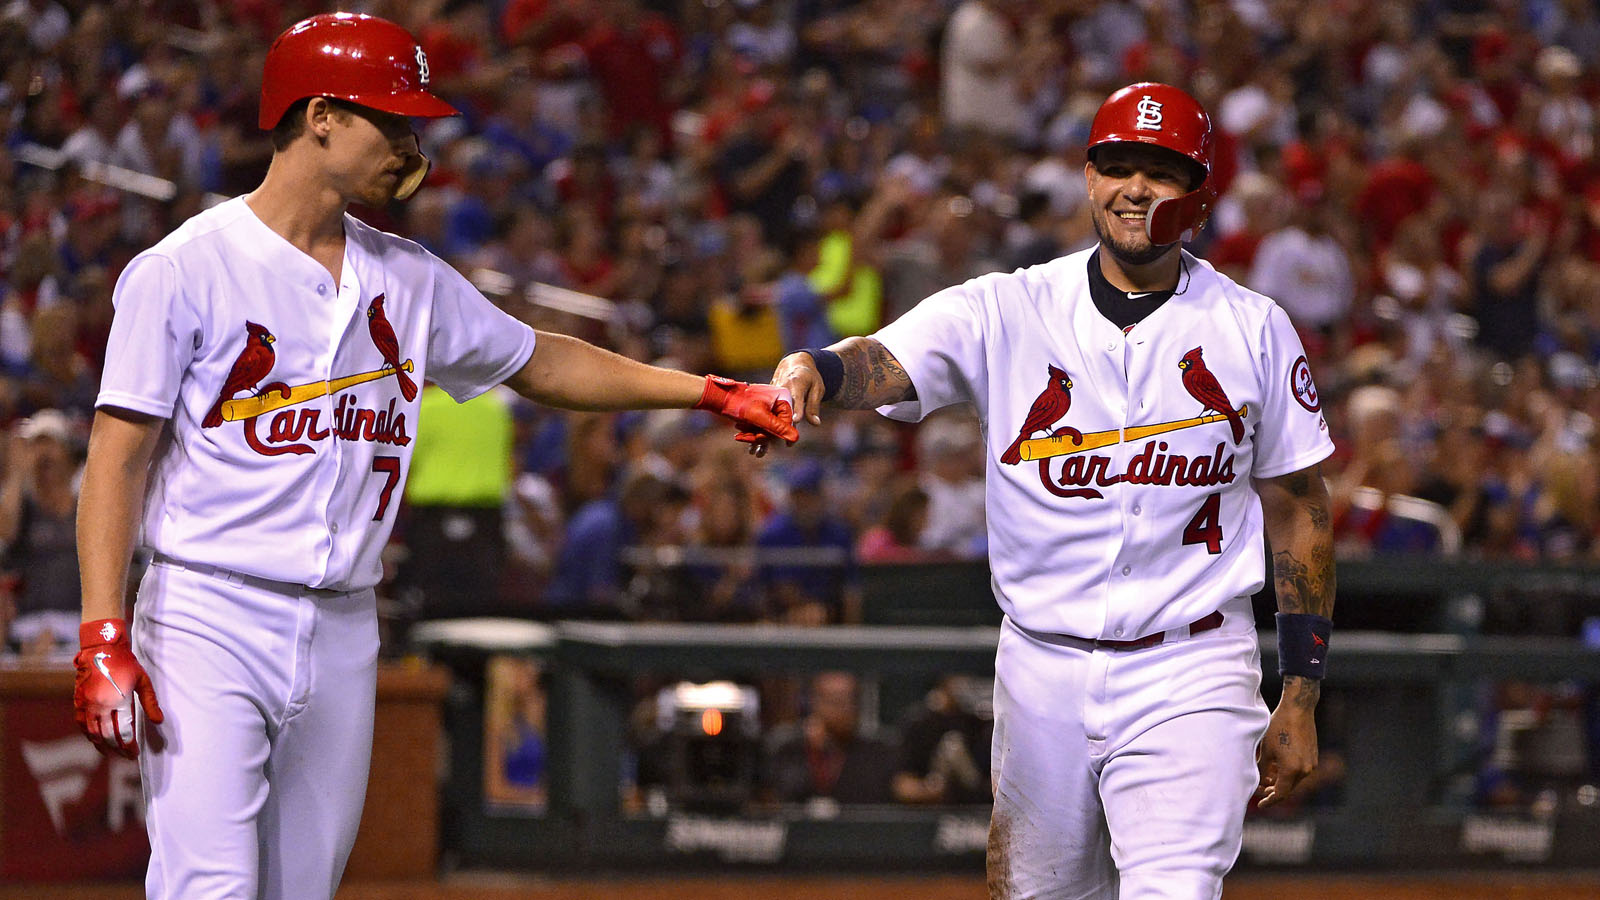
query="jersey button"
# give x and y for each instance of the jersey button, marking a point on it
(335, 529)
(1111, 345)
(322, 289)
(1118, 632)
(1127, 570)
(1137, 509)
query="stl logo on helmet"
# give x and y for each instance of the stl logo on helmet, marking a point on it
(422, 66)
(1149, 115)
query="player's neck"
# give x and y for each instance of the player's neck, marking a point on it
(1160, 275)
(308, 215)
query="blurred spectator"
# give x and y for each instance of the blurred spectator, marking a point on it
(589, 577)
(1304, 266)
(979, 91)
(38, 512)
(159, 139)
(723, 585)
(820, 590)
(952, 466)
(457, 489)
(898, 538)
(1504, 253)
(826, 754)
(95, 140)
(944, 747)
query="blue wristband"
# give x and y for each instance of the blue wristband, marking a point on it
(831, 368)
(1303, 644)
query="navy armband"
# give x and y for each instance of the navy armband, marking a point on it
(831, 368)
(1303, 644)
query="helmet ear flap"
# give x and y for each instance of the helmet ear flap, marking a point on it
(1176, 219)
(411, 176)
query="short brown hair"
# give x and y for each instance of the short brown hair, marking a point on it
(291, 125)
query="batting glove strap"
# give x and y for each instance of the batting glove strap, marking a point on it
(102, 631)
(1303, 644)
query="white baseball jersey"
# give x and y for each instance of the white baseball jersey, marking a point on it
(292, 400)
(1119, 497)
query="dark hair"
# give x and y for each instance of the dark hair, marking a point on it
(291, 125)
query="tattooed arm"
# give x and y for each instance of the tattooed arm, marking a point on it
(1301, 539)
(872, 378)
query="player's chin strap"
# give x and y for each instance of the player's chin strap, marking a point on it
(411, 175)
(1179, 218)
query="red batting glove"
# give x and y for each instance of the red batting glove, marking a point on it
(759, 411)
(108, 679)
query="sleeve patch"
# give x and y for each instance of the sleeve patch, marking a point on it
(1304, 389)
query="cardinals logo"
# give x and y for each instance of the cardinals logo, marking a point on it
(253, 364)
(289, 429)
(1047, 409)
(1203, 386)
(1083, 472)
(383, 338)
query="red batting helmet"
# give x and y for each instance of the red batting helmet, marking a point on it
(350, 56)
(1165, 116)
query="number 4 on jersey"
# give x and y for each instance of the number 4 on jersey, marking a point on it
(1206, 526)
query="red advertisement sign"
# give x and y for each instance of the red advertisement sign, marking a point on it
(67, 813)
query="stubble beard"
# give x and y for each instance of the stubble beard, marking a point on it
(1140, 254)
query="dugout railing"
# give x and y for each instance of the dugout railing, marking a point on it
(1406, 737)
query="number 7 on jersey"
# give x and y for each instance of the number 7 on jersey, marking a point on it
(389, 466)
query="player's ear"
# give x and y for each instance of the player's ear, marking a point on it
(319, 115)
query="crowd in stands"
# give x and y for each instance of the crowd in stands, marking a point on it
(722, 181)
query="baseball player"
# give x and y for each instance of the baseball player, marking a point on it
(255, 421)
(1146, 420)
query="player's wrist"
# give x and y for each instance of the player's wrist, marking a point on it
(830, 366)
(716, 392)
(1303, 645)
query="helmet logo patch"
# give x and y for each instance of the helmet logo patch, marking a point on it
(422, 71)
(1149, 113)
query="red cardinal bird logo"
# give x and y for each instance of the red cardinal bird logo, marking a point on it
(1203, 386)
(1047, 409)
(383, 338)
(253, 364)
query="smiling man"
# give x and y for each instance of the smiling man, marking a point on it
(254, 429)
(1147, 421)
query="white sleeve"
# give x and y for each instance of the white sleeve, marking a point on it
(154, 335)
(939, 343)
(472, 344)
(1293, 434)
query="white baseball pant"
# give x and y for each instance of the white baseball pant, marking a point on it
(254, 783)
(1123, 774)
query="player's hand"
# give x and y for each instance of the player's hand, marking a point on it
(760, 412)
(1288, 751)
(108, 679)
(796, 373)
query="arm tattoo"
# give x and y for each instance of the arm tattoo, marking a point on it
(1310, 691)
(872, 376)
(1303, 570)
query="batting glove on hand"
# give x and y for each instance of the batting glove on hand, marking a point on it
(108, 679)
(759, 411)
